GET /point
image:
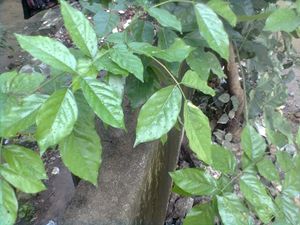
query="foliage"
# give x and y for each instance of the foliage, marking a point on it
(159, 53)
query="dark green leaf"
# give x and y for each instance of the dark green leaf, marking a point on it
(198, 131)
(233, 211)
(282, 19)
(268, 170)
(255, 192)
(81, 150)
(200, 215)
(194, 181)
(25, 161)
(158, 115)
(80, 29)
(211, 28)
(253, 144)
(56, 118)
(8, 204)
(105, 22)
(49, 51)
(191, 79)
(105, 102)
(165, 18)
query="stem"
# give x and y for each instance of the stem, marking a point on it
(1, 147)
(171, 75)
(169, 1)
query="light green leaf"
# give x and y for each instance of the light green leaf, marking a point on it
(253, 144)
(21, 115)
(158, 115)
(198, 131)
(268, 170)
(233, 211)
(27, 184)
(80, 29)
(202, 214)
(211, 28)
(6, 80)
(165, 18)
(204, 62)
(282, 19)
(105, 22)
(297, 138)
(284, 160)
(81, 150)
(222, 8)
(255, 192)
(128, 61)
(24, 161)
(103, 61)
(49, 51)
(8, 204)
(192, 80)
(56, 118)
(194, 181)
(222, 159)
(105, 102)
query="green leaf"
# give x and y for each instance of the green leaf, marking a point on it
(222, 159)
(103, 61)
(204, 62)
(8, 204)
(233, 211)
(21, 115)
(282, 19)
(194, 181)
(49, 51)
(128, 61)
(222, 8)
(27, 184)
(268, 170)
(211, 28)
(25, 161)
(56, 118)
(192, 80)
(255, 192)
(6, 80)
(105, 102)
(284, 160)
(253, 144)
(202, 214)
(105, 22)
(80, 29)
(158, 115)
(198, 131)
(297, 138)
(165, 18)
(81, 150)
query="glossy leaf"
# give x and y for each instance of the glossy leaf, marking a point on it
(128, 61)
(165, 18)
(6, 80)
(194, 181)
(192, 80)
(223, 159)
(253, 144)
(49, 51)
(158, 115)
(56, 118)
(24, 160)
(8, 204)
(80, 29)
(202, 214)
(21, 115)
(282, 19)
(255, 193)
(81, 150)
(27, 184)
(233, 211)
(198, 132)
(222, 8)
(105, 22)
(268, 170)
(211, 28)
(105, 102)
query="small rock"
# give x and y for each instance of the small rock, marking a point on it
(55, 170)
(51, 222)
(297, 114)
(291, 94)
(182, 206)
